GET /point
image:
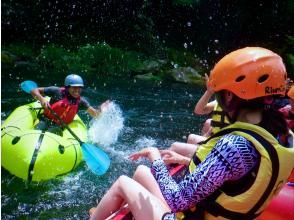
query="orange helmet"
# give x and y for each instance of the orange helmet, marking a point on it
(291, 92)
(250, 73)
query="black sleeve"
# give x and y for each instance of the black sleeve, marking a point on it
(54, 92)
(84, 104)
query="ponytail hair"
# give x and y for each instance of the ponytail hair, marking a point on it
(272, 120)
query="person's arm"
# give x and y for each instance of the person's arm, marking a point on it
(203, 106)
(152, 153)
(171, 157)
(229, 157)
(96, 112)
(38, 94)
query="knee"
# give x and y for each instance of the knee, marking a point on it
(174, 146)
(141, 170)
(122, 181)
(191, 137)
(120, 186)
(207, 123)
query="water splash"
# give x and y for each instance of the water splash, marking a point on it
(106, 129)
(145, 142)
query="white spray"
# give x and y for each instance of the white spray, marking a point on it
(106, 128)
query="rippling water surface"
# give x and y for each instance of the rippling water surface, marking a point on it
(142, 114)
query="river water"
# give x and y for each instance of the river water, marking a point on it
(142, 114)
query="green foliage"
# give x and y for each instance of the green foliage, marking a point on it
(97, 58)
(103, 59)
(183, 58)
(290, 65)
(55, 59)
(290, 40)
(17, 59)
(20, 50)
(290, 59)
(289, 56)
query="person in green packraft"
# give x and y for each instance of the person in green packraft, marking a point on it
(65, 102)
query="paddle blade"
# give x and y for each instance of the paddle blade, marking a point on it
(28, 86)
(96, 159)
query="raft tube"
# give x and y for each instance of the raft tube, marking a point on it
(282, 206)
(35, 155)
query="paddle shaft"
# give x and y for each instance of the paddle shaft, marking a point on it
(64, 125)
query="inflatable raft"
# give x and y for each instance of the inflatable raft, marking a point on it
(35, 155)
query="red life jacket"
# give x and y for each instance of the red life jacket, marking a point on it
(64, 108)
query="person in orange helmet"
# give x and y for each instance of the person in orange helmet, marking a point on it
(237, 171)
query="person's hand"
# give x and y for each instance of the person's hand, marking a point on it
(44, 102)
(152, 153)
(208, 86)
(96, 112)
(170, 157)
(104, 106)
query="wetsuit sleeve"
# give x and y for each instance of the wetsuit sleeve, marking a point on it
(84, 104)
(53, 92)
(231, 158)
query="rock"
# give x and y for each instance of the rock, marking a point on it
(7, 58)
(147, 76)
(185, 75)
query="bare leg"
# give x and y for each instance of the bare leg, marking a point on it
(144, 176)
(143, 204)
(205, 132)
(206, 129)
(195, 138)
(184, 149)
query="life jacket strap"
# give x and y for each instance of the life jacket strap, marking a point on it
(219, 124)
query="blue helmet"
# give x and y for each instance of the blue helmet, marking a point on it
(73, 80)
